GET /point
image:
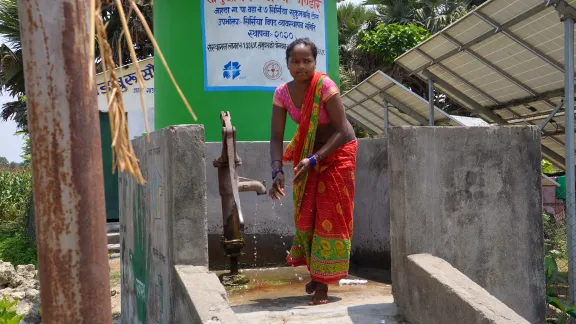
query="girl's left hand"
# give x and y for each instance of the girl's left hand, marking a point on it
(301, 169)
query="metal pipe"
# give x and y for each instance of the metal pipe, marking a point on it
(67, 166)
(245, 184)
(570, 181)
(552, 114)
(386, 119)
(430, 102)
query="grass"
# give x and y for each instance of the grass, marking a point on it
(114, 278)
(15, 195)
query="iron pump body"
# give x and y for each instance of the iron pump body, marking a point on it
(230, 184)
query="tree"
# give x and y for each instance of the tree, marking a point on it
(11, 67)
(26, 156)
(382, 45)
(352, 19)
(387, 42)
(434, 15)
(4, 162)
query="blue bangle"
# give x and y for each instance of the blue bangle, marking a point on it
(312, 160)
(275, 172)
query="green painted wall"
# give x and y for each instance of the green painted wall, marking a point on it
(178, 30)
(110, 180)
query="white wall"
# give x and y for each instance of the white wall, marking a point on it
(131, 95)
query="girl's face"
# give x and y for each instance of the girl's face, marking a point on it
(301, 63)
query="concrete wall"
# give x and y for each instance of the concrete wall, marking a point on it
(436, 288)
(200, 298)
(470, 196)
(270, 225)
(163, 222)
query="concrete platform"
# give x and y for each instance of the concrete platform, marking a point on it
(277, 296)
(113, 238)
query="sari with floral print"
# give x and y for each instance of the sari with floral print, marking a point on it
(324, 200)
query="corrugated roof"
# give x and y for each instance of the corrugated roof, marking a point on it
(364, 105)
(505, 62)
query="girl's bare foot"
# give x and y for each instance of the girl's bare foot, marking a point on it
(320, 295)
(311, 287)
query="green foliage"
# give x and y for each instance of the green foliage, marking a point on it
(390, 41)
(556, 249)
(8, 316)
(15, 191)
(434, 15)
(26, 155)
(555, 237)
(15, 195)
(547, 167)
(347, 79)
(16, 248)
(553, 279)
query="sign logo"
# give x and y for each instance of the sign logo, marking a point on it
(231, 70)
(272, 70)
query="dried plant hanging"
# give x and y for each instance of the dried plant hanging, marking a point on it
(123, 156)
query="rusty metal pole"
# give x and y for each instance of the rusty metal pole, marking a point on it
(67, 165)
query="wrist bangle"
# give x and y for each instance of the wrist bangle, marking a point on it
(275, 173)
(274, 161)
(312, 160)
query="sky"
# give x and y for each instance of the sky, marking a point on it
(11, 145)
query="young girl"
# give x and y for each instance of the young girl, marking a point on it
(323, 152)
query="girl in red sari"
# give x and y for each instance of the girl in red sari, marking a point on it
(323, 155)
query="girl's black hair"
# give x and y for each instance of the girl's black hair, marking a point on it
(302, 41)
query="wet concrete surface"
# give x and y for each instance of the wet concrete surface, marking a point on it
(278, 296)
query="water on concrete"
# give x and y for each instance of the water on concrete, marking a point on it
(277, 296)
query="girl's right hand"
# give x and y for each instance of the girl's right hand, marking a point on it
(277, 191)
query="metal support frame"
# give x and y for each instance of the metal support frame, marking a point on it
(386, 88)
(386, 118)
(371, 98)
(533, 117)
(504, 74)
(553, 157)
(519, 41)
(564, 9)
(402, 107)
(368, 97)
(356, 121)
(461, 96)
(456, 76)
(494, 68)
(570, 174)
(368, 110)
(479, 109)
(529, 13)
(430, 102)
(67, 161)
(530, 99)
(552, 114)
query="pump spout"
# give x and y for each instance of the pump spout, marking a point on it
(245, 184)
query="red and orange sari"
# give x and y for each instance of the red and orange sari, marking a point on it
(324, 200)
